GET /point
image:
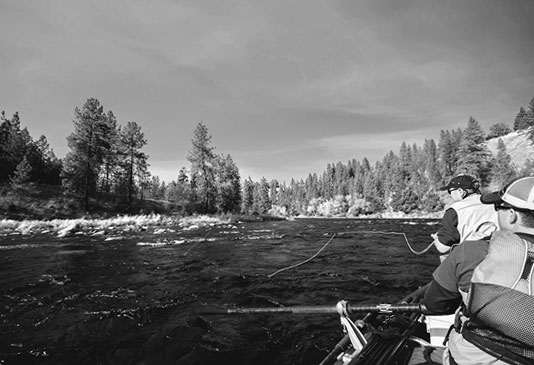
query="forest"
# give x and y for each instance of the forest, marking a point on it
(106, 165)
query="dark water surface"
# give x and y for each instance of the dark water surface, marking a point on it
(132, 299)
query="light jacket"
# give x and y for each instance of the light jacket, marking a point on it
(475, 219)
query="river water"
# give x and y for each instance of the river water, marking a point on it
(134, 297)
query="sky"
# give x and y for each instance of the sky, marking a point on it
(284, 87)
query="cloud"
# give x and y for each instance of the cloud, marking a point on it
(282, 86)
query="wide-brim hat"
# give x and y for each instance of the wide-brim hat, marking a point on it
(461, 182)
(519, 194)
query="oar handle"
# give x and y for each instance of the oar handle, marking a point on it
(295, 310)
(387, 308)
(377, 308)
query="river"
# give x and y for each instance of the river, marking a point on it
(133, 297)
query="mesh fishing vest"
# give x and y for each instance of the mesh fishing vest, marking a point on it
(475, 220)
(501, 302)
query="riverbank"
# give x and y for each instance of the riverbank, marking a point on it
(156, 222)
(125, 223)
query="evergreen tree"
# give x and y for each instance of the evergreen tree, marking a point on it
(371, 193)
(154, 188)
(261, 203)
(134, 161)
(356, 189)
(20, 182)
(473, 155)
(88, 143)
(180, 191)
(14, 143)
(47, 169)
(202, 159)
(503, 170)
(110, 174)
(248, 196)
(521, 122)
(341, 179)
(312, 188)
(228, 183)
(391, 176)
(430, 163)
(274, 187)
(448, 153)
(498, 130)
(529, 121)
(327, 182)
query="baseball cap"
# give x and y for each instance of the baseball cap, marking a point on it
(461, 182)
(519, 194)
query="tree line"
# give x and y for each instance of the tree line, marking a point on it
(106, 160)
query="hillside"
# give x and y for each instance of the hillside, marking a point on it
(517, 146)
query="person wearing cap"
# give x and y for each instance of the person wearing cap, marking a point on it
(495, 285)
(467, 218)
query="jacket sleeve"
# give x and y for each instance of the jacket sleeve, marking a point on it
(448, 233)
(439, 300)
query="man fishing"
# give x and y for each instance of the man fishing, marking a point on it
(467, 218)
(493, 282)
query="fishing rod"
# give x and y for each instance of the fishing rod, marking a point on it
(341, 307)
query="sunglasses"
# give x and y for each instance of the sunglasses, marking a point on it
(501, 206)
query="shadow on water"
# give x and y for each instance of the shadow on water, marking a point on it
(132, 299)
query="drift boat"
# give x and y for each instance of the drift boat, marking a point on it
(388, 334)
(385, 334)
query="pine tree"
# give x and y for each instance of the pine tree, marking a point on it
(109, 172)
(20, 182)
(529, 121)
(248, 196)
(181, 191)
(503, 171)
(88, 143)
(448, 153)
(520, 122)
(498, 130)
(274, 188)
(473, 155)
(14, 143)
(154, 188)
(228, 184)
(202, 157)
(134, 161)
(49, 165)
(430, 163)
(261, 203)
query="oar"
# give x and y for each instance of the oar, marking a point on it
(378, 308)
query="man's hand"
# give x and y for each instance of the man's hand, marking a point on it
(439, 246)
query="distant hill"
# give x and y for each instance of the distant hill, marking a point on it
(517, 146)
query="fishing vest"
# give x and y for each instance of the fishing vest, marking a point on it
(501, 301)
(475, 219)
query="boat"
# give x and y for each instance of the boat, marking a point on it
(388, 334)
(383, 334)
